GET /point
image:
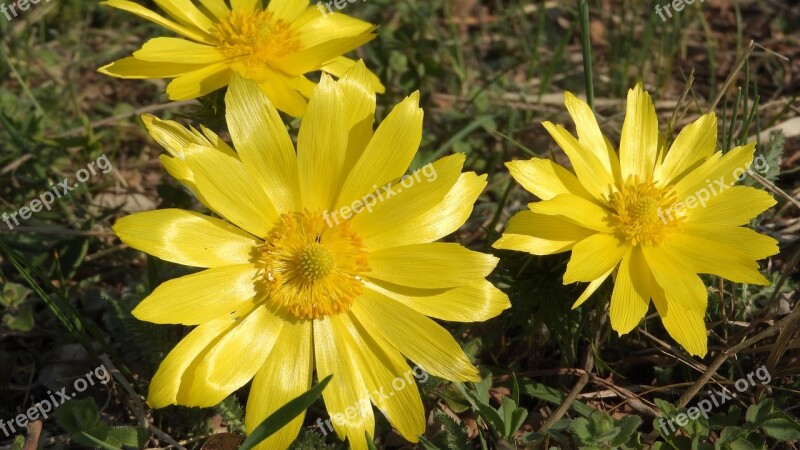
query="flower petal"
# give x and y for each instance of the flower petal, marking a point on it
(359, 106)
(591, 289)
(288, 10)
(631, 297)
(264, 145)
(435, 223)
(201, 297)
(141, 11)
(187, 238)
(432, 266)
(285, 374)
(340, 65)
(638, 147)
(577, 209)
(389, 152)
(172, 372)
(247, 5)
(472, 302)
(230, 191)
(734, 206)
(346, 393)
(593, 257)
(694, 144)
(185, 12)
(200, 82)
(591, 173)
(539, 234)
(221, 370)
(321, 146)
(715, 171)
(678, 283)
(385, 211)
(387, 377)
(417, 337)
(738, 239)
(279, 90)
(685, 325)
(700, 255)
(132, 68)
(546, 179)
(589, 133)
(217, 7)
(180, 51)
(314, 58)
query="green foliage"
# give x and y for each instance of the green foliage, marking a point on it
(600, 431)
(17, 311)
(312, 439)
(764, 422)
(503, 421)
(81, 418)
(233, 414)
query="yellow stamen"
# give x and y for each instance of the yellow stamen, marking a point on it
(311, 269)
(255, 38)
(643, 212)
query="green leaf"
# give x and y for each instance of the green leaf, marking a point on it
(284, 415)
(760, 412)
(741, 444)
(625, 429)
(781, 429)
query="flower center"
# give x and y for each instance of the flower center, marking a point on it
(642, 212)
(311, 269)
(255, 38)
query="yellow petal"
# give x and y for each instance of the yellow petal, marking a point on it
(631, 297)
(546, 179)
(229, 190)
(331, 27)
(359, 105)
(179, 170)
(389, 152)
(735, 205)
(700, 255)
(591, 289)
(186, 237)
(279, 90)
(347, 389)
(264, 145)
(577, 209)
(285, 375)
(593, 257)
(679, 284)
(538, 234)
(175, 50)
(315, 57)
(340, 65)
(417, 337)
(171, 135)
(388, 378)
(715, 171)
(233, 360)
(217, 7)
(185, 12)
(739, 239)
(589, 133)
(321, 146)
(386, 211)
(434, 265)
(472, 302)
(685, 325)
(141, 11)
(171, 373)
(201, 297)
(247, 5)
(200, 82)
(590, 171)
(694, 144)
(288, 10)
(638, 147)
(437, 222)
(133, 68)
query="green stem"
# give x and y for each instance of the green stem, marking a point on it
(583, 18)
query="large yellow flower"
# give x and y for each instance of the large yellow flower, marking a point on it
(275, 47)
(325, 259)
(653, 218)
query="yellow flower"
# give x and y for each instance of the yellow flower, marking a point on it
(325, 260)
(274, 47)
(653, 218)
